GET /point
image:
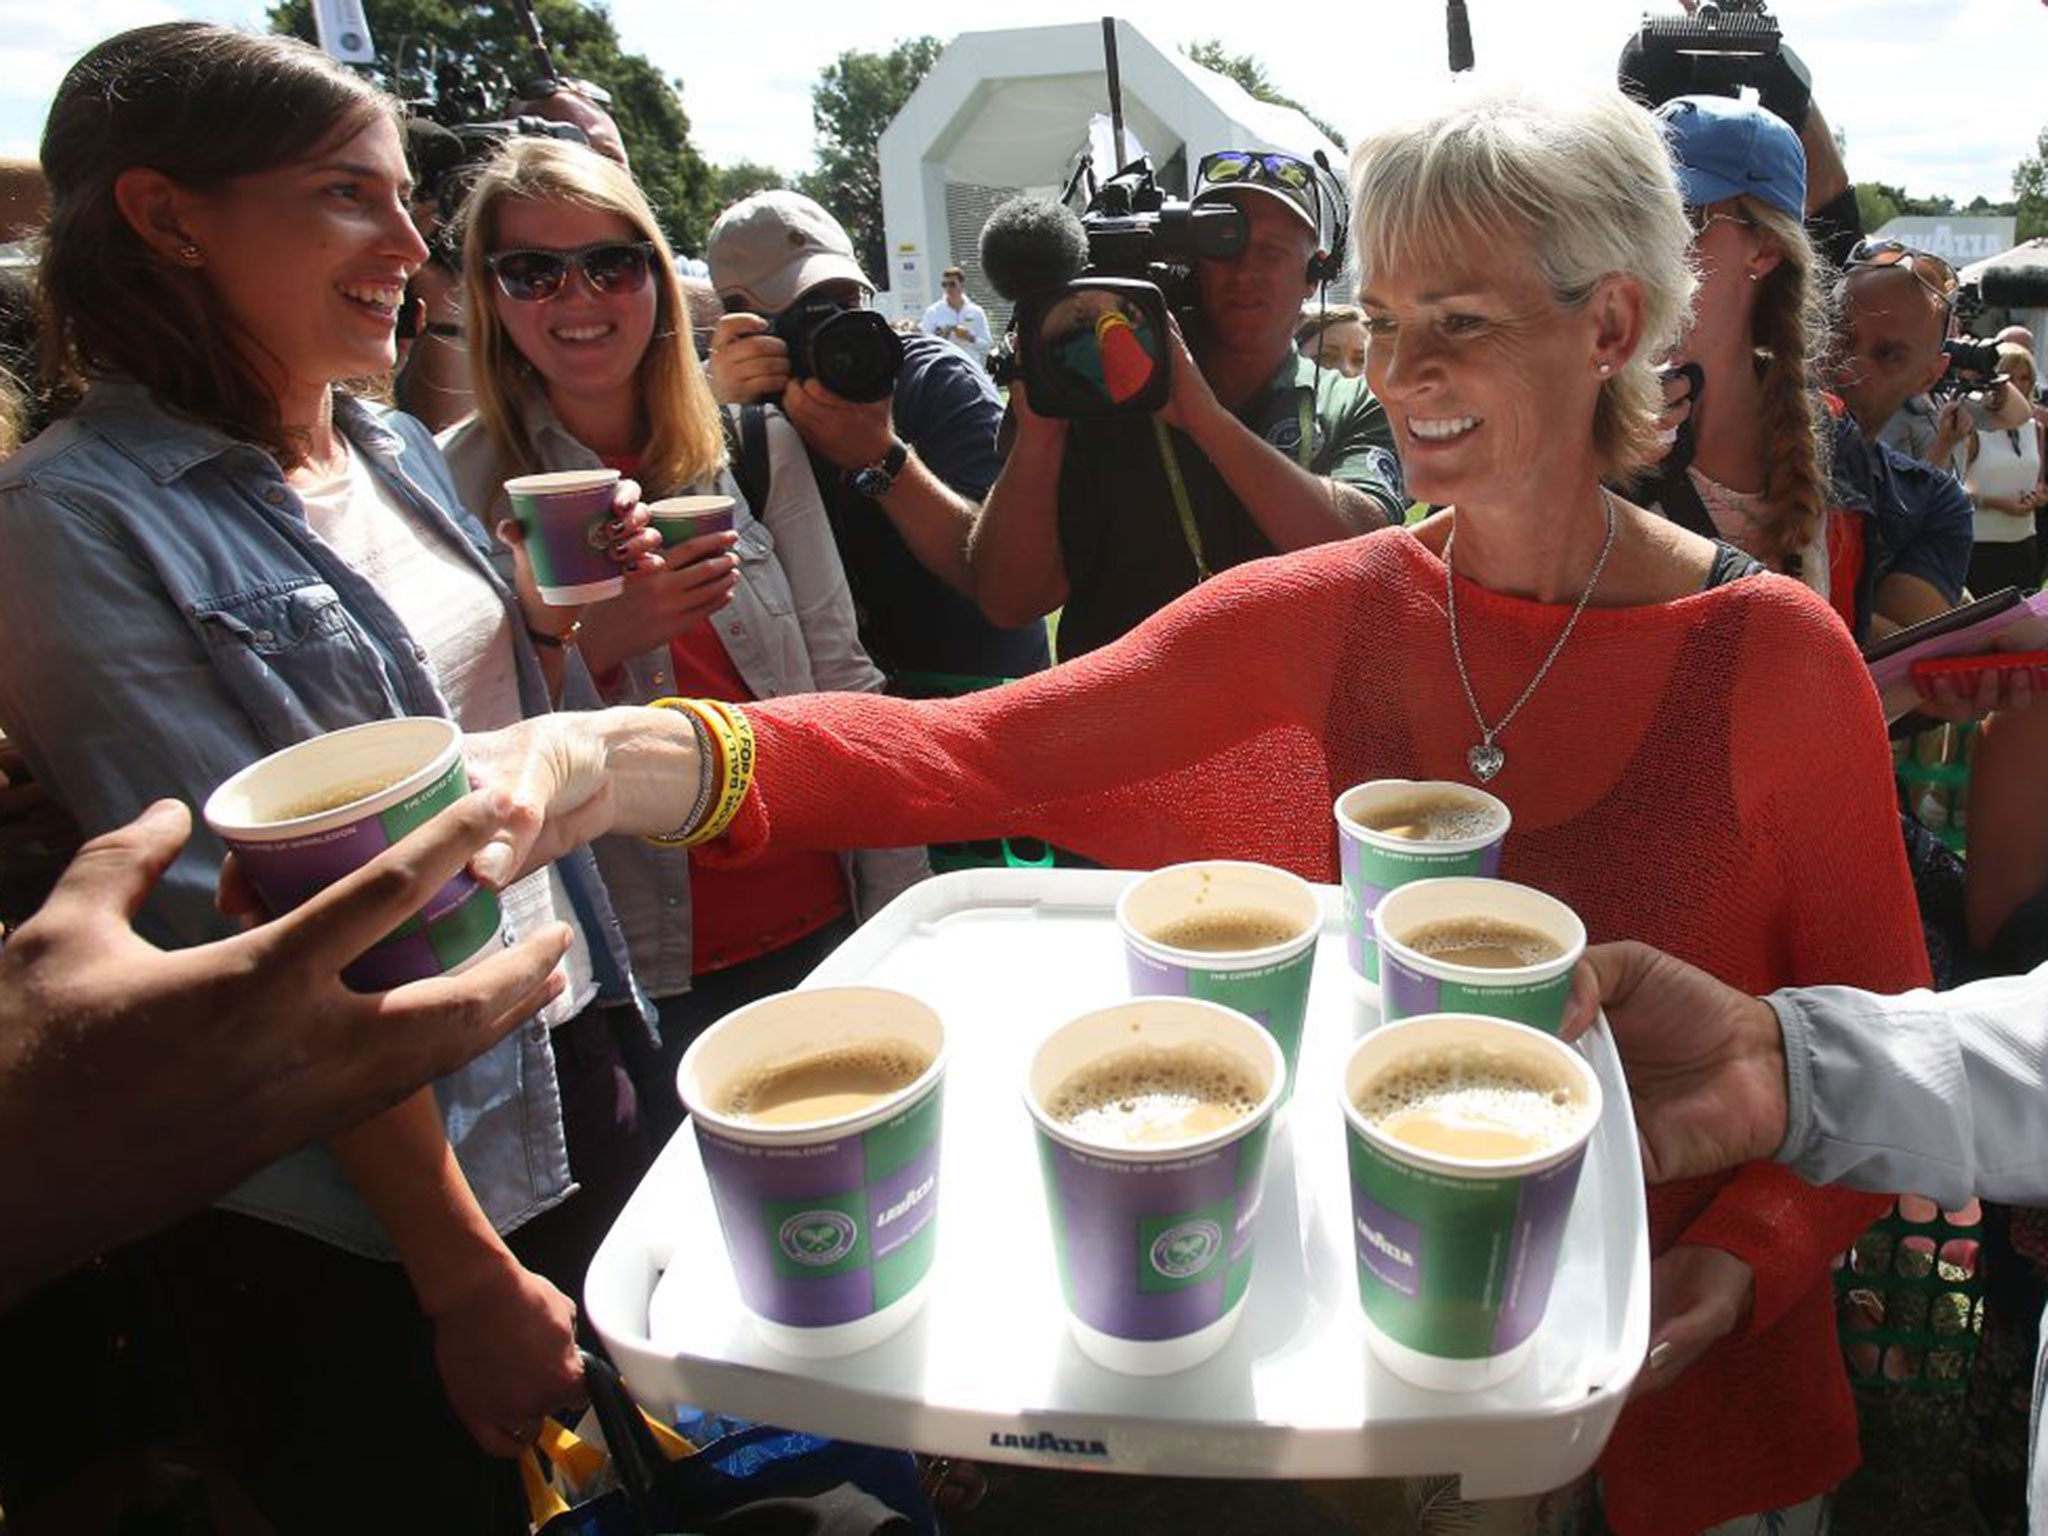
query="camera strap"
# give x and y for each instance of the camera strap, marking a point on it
(1176, 482)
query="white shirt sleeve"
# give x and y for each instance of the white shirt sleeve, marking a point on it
(1940, 1093)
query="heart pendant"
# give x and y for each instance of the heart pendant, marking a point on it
(1486, 760)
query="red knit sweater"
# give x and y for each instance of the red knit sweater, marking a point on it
(1708, 775)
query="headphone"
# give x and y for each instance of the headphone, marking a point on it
(1333, 217)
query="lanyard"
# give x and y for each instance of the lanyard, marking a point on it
(1169, 460)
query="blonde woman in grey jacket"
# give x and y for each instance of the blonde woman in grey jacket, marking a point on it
(581, 357)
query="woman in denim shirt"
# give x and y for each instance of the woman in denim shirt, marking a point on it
(219, 552)
(582, 357)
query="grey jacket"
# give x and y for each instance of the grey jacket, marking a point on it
(1943, 1094)
(171, 617)
(789, 628)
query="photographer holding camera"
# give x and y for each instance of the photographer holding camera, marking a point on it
(1256, 450)
(1895, 308)
(900, 429)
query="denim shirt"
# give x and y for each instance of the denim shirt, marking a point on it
(170, 617)
(789, 629)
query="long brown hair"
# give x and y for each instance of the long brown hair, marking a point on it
(685, 439)
(1791, 329)
(202, 104)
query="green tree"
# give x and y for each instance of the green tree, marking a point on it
(2030, 187)
(1876, 204)
(856, 97)
(743, 178)
(480, 42)
(1248, 72)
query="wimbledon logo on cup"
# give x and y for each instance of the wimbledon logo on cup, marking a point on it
(1183, 1251)
(818, 1239)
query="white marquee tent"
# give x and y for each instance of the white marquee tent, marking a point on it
(1007, 113)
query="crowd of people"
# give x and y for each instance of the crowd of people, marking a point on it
(1588, 492)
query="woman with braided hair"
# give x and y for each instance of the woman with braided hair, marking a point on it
(1759, 432)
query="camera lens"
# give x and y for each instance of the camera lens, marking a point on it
(856, 355)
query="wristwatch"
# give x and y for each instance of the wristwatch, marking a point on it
(873, 480)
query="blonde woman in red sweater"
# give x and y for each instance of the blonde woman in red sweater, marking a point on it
(1693, 758)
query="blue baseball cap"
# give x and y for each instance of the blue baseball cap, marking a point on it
(1727, 148)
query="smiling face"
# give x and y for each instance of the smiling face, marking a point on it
(581, 342)
(1489, 383)
(1890, 344)
(1251, 302)
(310, 260)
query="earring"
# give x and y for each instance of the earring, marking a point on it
(1606, 369)
(1754, 276)
(189, 253)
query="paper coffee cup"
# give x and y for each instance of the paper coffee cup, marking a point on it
(565, 516)
(1268, 981)
(1154, 1241)
(1456, 1254)
(830, 1224)
(679, 519)
(1376, 862)
(1413, 982)
(302, 818)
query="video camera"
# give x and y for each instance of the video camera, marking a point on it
(452, 131)
(1093, 293)
(1717, 51)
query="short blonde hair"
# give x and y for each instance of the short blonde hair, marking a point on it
(685, 437)
(1584, 181)
(2011, 352)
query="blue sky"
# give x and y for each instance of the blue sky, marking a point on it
(1913, 83)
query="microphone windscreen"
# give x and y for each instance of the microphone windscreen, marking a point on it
(1031, 244)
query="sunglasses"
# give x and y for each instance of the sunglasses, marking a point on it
(1239, 166)
(609, 266)
(1929, 271)
(1703, 219)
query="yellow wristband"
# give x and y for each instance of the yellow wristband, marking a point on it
(710, 777)
(736, 739)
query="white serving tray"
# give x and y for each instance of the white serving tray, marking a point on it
(989, 1371)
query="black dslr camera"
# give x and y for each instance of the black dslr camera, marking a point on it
(1972, 372)
(855, 353)
(1717, 51)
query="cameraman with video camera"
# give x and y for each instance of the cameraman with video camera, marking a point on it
(1255, 451)
(901, 432)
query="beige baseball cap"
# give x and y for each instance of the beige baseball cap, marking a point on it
(768, 248)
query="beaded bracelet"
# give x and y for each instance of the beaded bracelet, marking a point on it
(735, 737)
(709, 771)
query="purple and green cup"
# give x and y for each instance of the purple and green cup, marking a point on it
(1417, 977)
(1460, 1193)
(830, 1223)
(1154, 1239)
(1375, 860)
(679, 519)
(566, 517)
(1264, 974)
(302, 818)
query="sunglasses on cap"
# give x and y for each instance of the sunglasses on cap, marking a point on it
(609, 266)
(1929, 271)
(1229, 167)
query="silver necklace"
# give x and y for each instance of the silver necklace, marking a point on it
(1485, 758)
